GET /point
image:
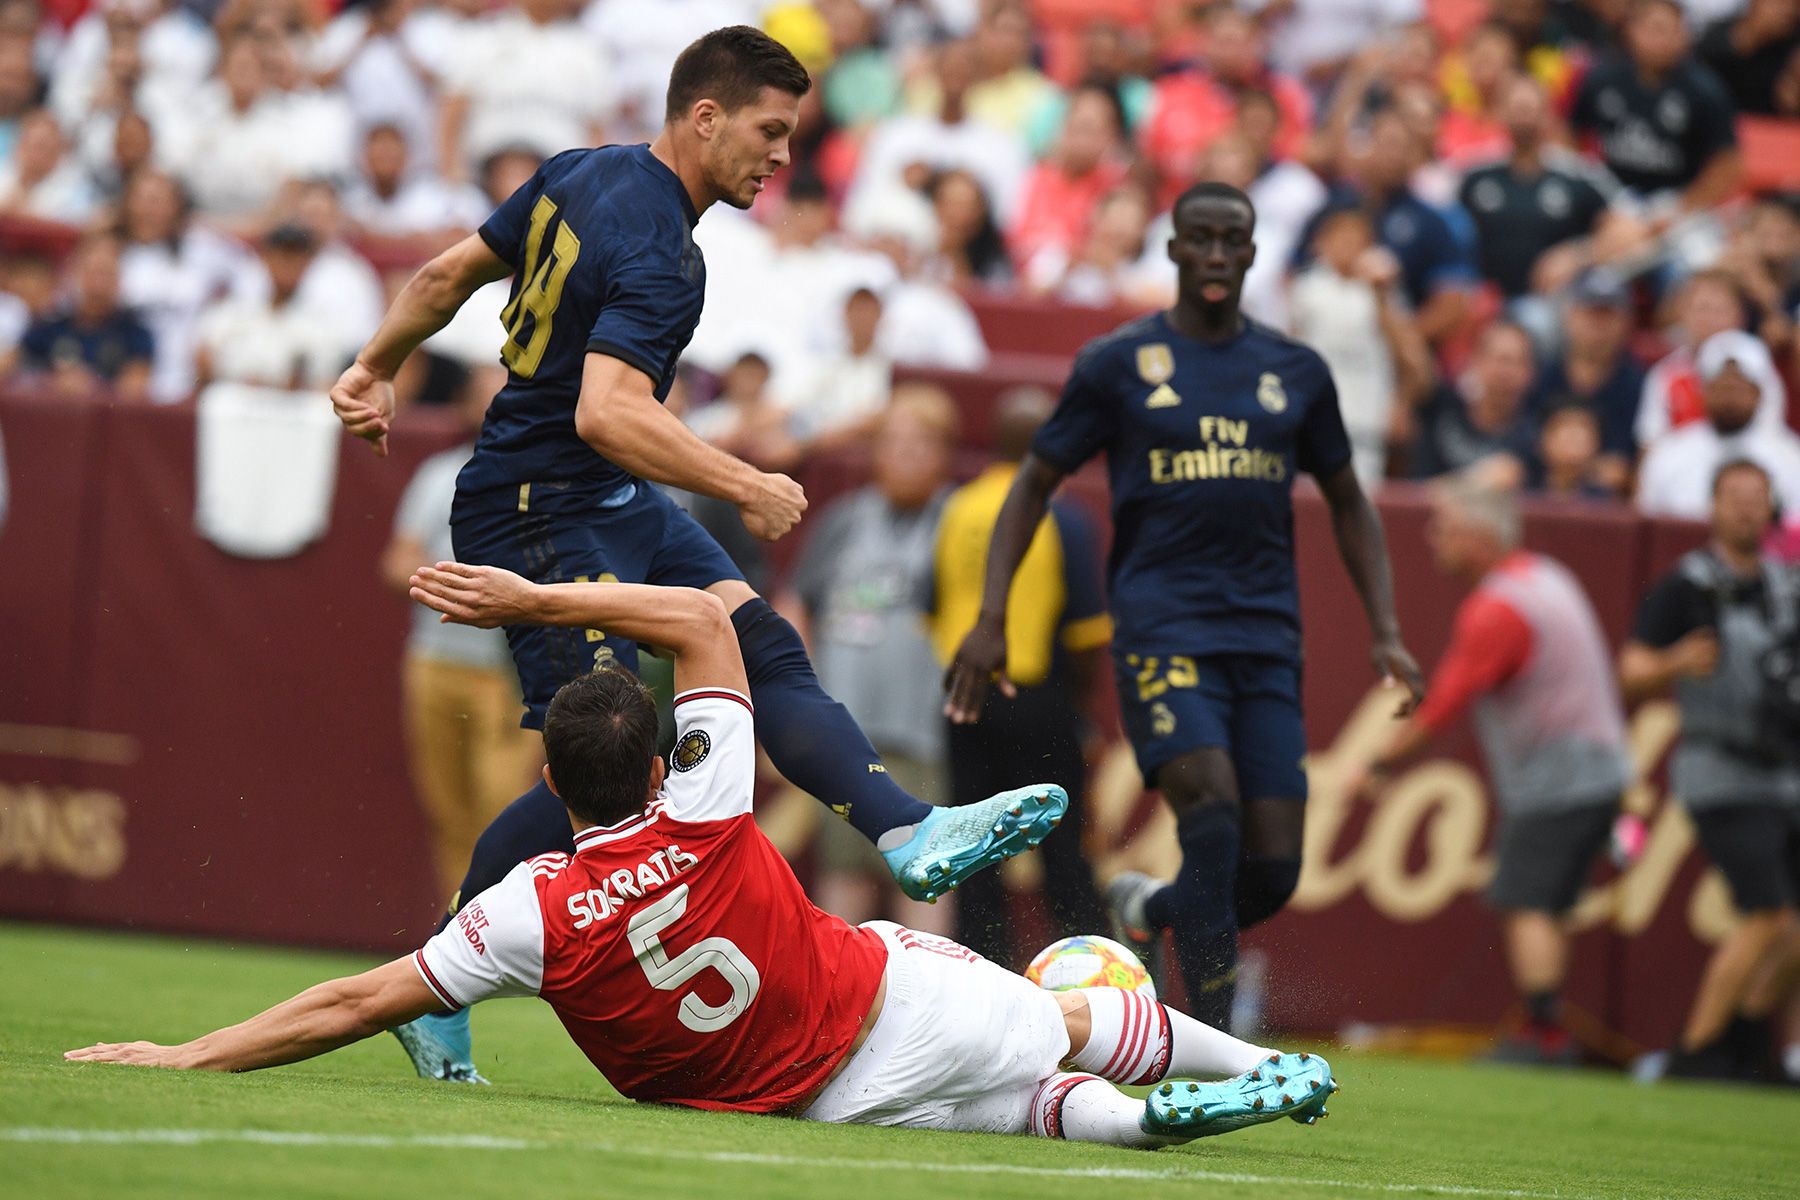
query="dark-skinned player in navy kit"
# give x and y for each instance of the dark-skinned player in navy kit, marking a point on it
(607, 288)
(1205, 418)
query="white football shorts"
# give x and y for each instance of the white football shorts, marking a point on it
(960, 1044)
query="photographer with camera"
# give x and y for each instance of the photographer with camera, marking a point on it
(1723, 627)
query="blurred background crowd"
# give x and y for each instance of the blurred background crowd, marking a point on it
(1550, 246)
(1508, 225)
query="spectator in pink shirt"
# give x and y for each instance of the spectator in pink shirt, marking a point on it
(1063, 190)
(1192, 108)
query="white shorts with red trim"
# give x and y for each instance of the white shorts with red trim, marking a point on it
(960, 1043)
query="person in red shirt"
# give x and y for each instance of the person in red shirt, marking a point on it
(678, 950)
(1528, 653)
(1190, 109)
(1063, 191)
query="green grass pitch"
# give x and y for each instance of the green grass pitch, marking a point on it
(357, 1123)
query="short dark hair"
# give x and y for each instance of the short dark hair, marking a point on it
(732, 65)
(599, 738)
(1213, 189)
(1733, 465)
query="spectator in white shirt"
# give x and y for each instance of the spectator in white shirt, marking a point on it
(525, 76)
(842, 401)
(268, 336)
(923, 323)
(1314, 39)
(1709, 303)
(1347, 307)
(230, 140)
(381, 58)
(171, 270)
(319, 124)
(42, 179)
(1677, 474)
(392, 200)
(176, 47)
(642, 39)
(905, 151)
(340, 286)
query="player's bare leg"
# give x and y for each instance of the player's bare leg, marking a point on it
(818, 747)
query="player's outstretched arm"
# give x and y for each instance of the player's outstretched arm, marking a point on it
(982, 654)
(691, 624)
(363, 396)
(1363, 547)
(619, 416)
(318, 1020)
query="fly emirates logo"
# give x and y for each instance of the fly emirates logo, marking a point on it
(1222, 454)
(599, 903)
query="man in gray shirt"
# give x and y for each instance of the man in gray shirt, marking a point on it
(862, 584)
(469, 757)
(1723, 629)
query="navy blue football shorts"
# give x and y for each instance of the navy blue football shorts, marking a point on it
(647, 539)
(1247, 705)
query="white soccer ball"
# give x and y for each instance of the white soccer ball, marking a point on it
(1089, 961)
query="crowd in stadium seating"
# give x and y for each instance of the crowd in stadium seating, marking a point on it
(1509, 225)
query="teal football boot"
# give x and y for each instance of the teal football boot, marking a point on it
(954, 843)
(1295, 1086)
(440, 1047)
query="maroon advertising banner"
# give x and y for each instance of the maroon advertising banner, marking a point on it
(200, 743)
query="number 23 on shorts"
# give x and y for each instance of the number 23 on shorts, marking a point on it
(1157, 675)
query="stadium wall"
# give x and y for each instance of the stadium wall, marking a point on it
(198, 743)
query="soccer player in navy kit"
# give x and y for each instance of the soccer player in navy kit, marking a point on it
(1205, 418)
(607, 288)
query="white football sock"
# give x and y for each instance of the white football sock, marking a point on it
(1202, 1052)
(1136, 1040)
(1086, 1108)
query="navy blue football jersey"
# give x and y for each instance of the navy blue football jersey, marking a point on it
(602, 247)
(1202, 442)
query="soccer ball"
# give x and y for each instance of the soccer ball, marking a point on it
(1089, 961)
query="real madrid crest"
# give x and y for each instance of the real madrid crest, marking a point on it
(1270, 394)
(691, 750)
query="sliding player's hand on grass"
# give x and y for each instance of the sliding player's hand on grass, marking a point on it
(134, 1054)
(486, 597)
(979, 661)
(364, 402)
(1397, 667)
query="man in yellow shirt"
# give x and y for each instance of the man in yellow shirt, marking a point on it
(1057, 631)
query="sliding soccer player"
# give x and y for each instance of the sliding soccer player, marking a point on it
(685, 961)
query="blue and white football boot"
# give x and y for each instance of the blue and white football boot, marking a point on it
(1295, 1086)
(954, 843)
(440, 1047)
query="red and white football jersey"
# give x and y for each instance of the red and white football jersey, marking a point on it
(677, 947)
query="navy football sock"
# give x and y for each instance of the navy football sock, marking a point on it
(536, 823)
(1201, 906)
(810, 737)
(1265, 882)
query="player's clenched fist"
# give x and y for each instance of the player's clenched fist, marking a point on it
(775, 507)
(364, 402)
(486, 597)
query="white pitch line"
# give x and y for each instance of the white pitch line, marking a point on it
(376, 1141)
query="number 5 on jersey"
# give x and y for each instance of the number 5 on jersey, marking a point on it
(670, 974)
(540, 290)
